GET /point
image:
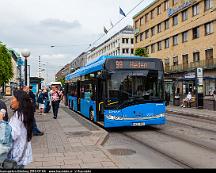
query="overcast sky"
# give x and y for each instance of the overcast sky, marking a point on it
(69, 25)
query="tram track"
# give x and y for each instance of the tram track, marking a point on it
(168, 156)
(179, 145)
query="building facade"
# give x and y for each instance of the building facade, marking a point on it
(80, 61)
(122, 43)
(183, 34)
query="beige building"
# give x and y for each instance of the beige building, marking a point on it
(183, 34)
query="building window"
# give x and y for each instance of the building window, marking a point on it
(174, 2)
(184, 36)
(166, 5)
(137, 24)
(195, 33)
(209, 53)
(132, 41)
(167, 43)
(153, 48)
(159, 45)
(196, 56)
(153, 31)
(175, 61)
(146, 18)
(159, 28)
(159, 10)
(184, 15)
(175, 40)
(152, 14)
(167, 62)
(175, 20)
(136, 39)
(209, 28)
(141, 21)
(195, 10)
(185, 59)
(208, 4)
(147, 49)
(132, 51)
(166, 24)
(146, 34)
(141, 36)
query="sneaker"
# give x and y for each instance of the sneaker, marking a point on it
(55, 117)
(38, 134)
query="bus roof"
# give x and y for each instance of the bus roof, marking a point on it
(96, 65)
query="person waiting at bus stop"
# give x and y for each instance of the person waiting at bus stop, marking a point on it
(186, 100)
(56, 97)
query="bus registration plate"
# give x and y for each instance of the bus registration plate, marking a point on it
(138, 124)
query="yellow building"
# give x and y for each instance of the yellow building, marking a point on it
(183, 34)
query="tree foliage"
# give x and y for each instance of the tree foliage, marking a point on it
(6, 67)
(141, 52)
(62, 80)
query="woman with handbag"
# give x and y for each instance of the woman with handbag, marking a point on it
(21, 124)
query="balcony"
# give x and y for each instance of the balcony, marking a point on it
(206, 64)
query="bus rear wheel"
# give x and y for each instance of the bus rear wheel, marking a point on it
(91, 115)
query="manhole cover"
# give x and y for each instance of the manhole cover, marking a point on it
(79, 134)
(121, 151)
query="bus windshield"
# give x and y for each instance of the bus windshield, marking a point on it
(135, 86)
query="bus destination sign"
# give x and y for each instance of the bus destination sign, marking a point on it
(131, 64)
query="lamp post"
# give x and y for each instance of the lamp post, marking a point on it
(25, 53)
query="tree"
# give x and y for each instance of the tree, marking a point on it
(62, 80)
(141, 52)
(6, 67)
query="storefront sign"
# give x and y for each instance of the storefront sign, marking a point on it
(200, 72)
(187, 3)
(190, 75)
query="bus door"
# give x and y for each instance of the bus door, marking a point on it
(78, 96)
(100, 99)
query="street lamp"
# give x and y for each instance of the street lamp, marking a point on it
(25, 53)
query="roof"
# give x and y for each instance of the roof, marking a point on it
(95, 65)
(151, 4)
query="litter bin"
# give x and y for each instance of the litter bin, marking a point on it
(177, 101)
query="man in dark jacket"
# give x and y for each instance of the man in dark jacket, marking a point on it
(35, 130)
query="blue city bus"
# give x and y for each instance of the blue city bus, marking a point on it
(119, 91)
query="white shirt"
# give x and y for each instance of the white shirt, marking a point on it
(189, 96)
(19, 135)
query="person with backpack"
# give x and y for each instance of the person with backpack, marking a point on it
(5, 134)
(56, 97)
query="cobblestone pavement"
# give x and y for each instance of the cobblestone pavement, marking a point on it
(67, 143)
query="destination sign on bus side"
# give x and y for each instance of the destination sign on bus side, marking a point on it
(131, 64)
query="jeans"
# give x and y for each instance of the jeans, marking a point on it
(34, 127)
(55, 106)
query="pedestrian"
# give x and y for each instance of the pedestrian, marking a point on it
(5, 134)
(214, 94)
(41, 101)
(47, 101)
(35, 130)
(21, 124)
(56, 97)
(186, 100)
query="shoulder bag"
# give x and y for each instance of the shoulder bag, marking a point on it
(12, 164)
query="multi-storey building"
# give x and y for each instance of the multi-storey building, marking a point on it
(182, 33)
(122, 43)
(80, 61)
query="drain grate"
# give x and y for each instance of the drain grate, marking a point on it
(78, 134)
(121, 151)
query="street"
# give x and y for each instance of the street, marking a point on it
(183, 142)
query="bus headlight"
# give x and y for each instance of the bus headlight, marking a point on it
(162, 115)
(111, 117)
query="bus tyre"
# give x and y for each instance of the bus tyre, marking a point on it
(91, 115)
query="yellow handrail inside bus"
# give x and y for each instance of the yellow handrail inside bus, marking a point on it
(100, 105)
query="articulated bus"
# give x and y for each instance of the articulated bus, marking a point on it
(119, 91)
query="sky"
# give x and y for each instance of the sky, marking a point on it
(68, 25)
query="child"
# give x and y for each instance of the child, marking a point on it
(5, 136)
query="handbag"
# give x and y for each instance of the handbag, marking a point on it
(12, 164)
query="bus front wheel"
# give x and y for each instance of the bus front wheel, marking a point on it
(91, 115)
